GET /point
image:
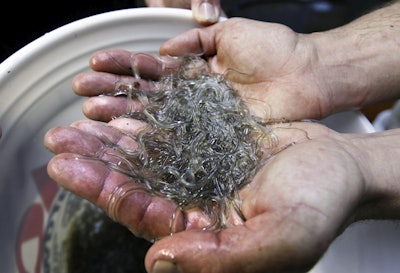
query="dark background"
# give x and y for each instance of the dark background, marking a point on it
(23, 22)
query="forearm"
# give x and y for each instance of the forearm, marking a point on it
(378, 157)
(359, 63)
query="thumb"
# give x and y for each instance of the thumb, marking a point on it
(197, 251)
(206, 12)
(264, 245)
(195, 41)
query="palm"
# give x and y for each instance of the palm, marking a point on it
(262, 63)
(267, 62)
(293, 213)
(287, 195)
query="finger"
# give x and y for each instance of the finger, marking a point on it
(116, 61)
(104, 83)
(102, 147)
(63, 139)
(90, 138)
(105, 108)
(118, 131)
(128, 125)
(98, 83)
(139, 64)
(206, 12)
(185, 4)
(125, 201)
(195, 41)
(150, 66)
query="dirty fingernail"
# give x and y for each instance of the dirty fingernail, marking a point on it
(163, 266)
(207, 12)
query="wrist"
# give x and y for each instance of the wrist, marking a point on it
(377, 155)
(358, 64)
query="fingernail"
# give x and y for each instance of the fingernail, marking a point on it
(207, 12)
(163, 266)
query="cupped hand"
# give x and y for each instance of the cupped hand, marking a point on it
(292, 209)
(204, 12)
(265, 62)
